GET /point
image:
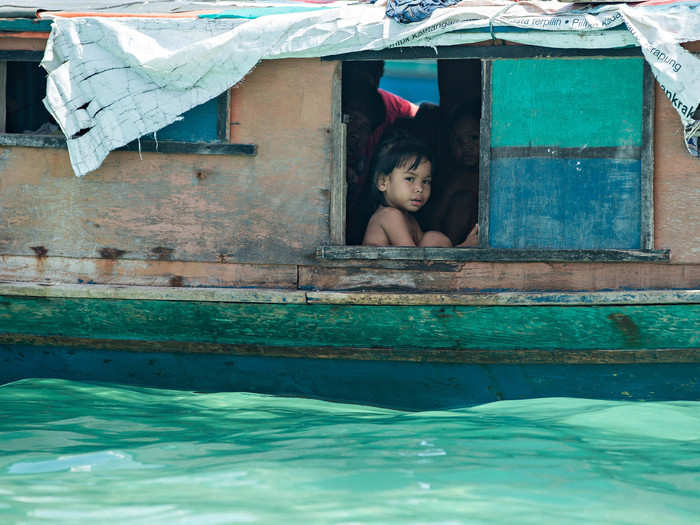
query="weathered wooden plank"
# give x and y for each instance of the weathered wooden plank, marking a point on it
(289, 325)
(484, 49)
(488, 254)
(676, 186)
(527, 112)
(158, 271)
(632, 297)
(153, 293)
(647, 160)
(493, 276)
(143, 146)
(408, 355)
(258, 295)
(485, 154)
(338, 176)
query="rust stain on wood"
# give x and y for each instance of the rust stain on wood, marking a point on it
(176, 281)
(111, 253)
(162, 253)
(629, 329)
(40, 251)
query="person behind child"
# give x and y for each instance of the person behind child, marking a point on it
(456, 205)
(402, 177)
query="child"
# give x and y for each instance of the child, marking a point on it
(402, 178)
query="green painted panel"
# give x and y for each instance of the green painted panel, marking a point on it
(594, 102)
(24, 24)
(490, 327)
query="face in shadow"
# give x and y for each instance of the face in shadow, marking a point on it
(464, 142)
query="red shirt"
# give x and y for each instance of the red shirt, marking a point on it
(396, 107)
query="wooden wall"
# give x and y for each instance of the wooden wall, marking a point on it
(269, 209)
(676, 187)
(189, 220)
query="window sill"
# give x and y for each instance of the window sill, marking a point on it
(149, 146)
(372, 253)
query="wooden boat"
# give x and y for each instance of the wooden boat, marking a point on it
(219, 263)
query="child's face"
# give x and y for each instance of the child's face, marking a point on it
(405, 188)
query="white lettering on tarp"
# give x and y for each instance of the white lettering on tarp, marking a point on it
(425, 31)
(663, 57)
(676, 69)
(676, 102)
(566, 22)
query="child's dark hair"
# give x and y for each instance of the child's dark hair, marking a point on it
(397, 150)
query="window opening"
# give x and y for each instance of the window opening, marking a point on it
(24, 121)
(437, 104)
(25, 87)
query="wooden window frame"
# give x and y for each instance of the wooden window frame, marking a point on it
(221, 146)
(488, 53)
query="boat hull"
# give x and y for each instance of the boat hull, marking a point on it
(416, 354)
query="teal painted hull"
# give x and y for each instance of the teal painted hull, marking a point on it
(394, 384)
(410, 356)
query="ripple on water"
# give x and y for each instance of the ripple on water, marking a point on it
(75, 452)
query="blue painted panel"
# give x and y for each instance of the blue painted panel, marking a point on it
(199, 124)
(565, 203)
(402, 385)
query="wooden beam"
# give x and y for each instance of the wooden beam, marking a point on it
(153, 293)
(338, 168)
(146, 146)
(413, 355)
(486, 254)
(632, 297)
(484, 51)
(280, 296)
(647, 160)
(485, 154)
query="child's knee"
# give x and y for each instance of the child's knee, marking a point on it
(435, 239)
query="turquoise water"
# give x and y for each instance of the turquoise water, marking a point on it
(76, 453)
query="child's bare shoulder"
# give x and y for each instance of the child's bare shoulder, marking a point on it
(388, 213)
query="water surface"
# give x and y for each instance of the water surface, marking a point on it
(72, 452)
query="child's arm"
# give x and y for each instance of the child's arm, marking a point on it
(397, 227)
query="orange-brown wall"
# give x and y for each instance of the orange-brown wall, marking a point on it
(268, 209)
(191, 220)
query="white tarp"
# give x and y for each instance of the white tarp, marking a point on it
(677, 70)
(113, 80)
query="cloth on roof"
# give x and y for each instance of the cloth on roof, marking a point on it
(406, 11)
(112, 80)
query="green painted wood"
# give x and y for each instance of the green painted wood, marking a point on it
(592, 102)
(478, 327)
